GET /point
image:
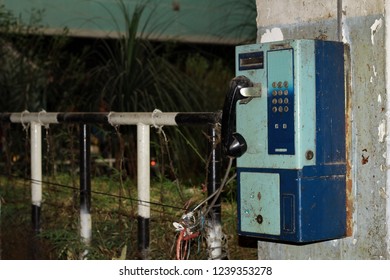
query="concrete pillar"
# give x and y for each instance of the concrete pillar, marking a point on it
(361, 25)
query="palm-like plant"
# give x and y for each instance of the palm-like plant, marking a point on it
(136, 78)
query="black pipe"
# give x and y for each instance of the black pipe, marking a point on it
(197, 118)
(36, 245)
(214, 170)
(82, 118)
(36, 218)
(143, 237)
(85, 167)
(5, 117)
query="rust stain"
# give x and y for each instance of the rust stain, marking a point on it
(365, 159)
(348, 140)
(349, 193)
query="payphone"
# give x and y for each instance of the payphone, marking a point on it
(284, 121)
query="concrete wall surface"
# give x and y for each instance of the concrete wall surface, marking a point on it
(363, 26)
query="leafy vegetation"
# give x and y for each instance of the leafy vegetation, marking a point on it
(129, 74)
(39, 72)
(114, 224)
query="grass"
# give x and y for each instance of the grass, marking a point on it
(114, 221)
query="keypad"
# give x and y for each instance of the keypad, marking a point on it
(280, 102)
(280, 97)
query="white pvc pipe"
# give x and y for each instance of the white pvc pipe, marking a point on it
(85, 226)
(158, 118)
(41, 117)
(36, 164)
(36, 174)
(85, 231)
(143, 185)
(143, 170)
(214, 240)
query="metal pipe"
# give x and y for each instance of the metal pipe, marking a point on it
(36, 174)
(214, 236)
(85, 186)
(214, 169)
(113, 118)
(143, 185)
(27, 117)
(144, 118)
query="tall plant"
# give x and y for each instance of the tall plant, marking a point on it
(135, 77)
(37, 71)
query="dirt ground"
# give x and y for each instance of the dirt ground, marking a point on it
(21, 244)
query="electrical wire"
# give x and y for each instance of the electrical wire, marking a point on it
(94, 192)
(218, 192)
(192, 223)
(214, 195)
(220, 189)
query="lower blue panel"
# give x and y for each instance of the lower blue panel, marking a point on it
(310, 209)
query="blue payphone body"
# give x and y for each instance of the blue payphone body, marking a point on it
(291, 172)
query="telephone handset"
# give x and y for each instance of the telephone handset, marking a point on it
(241, 88)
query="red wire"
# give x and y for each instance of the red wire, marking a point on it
(180, 255)
(178, 245)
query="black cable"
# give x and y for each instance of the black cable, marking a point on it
(94, 192)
